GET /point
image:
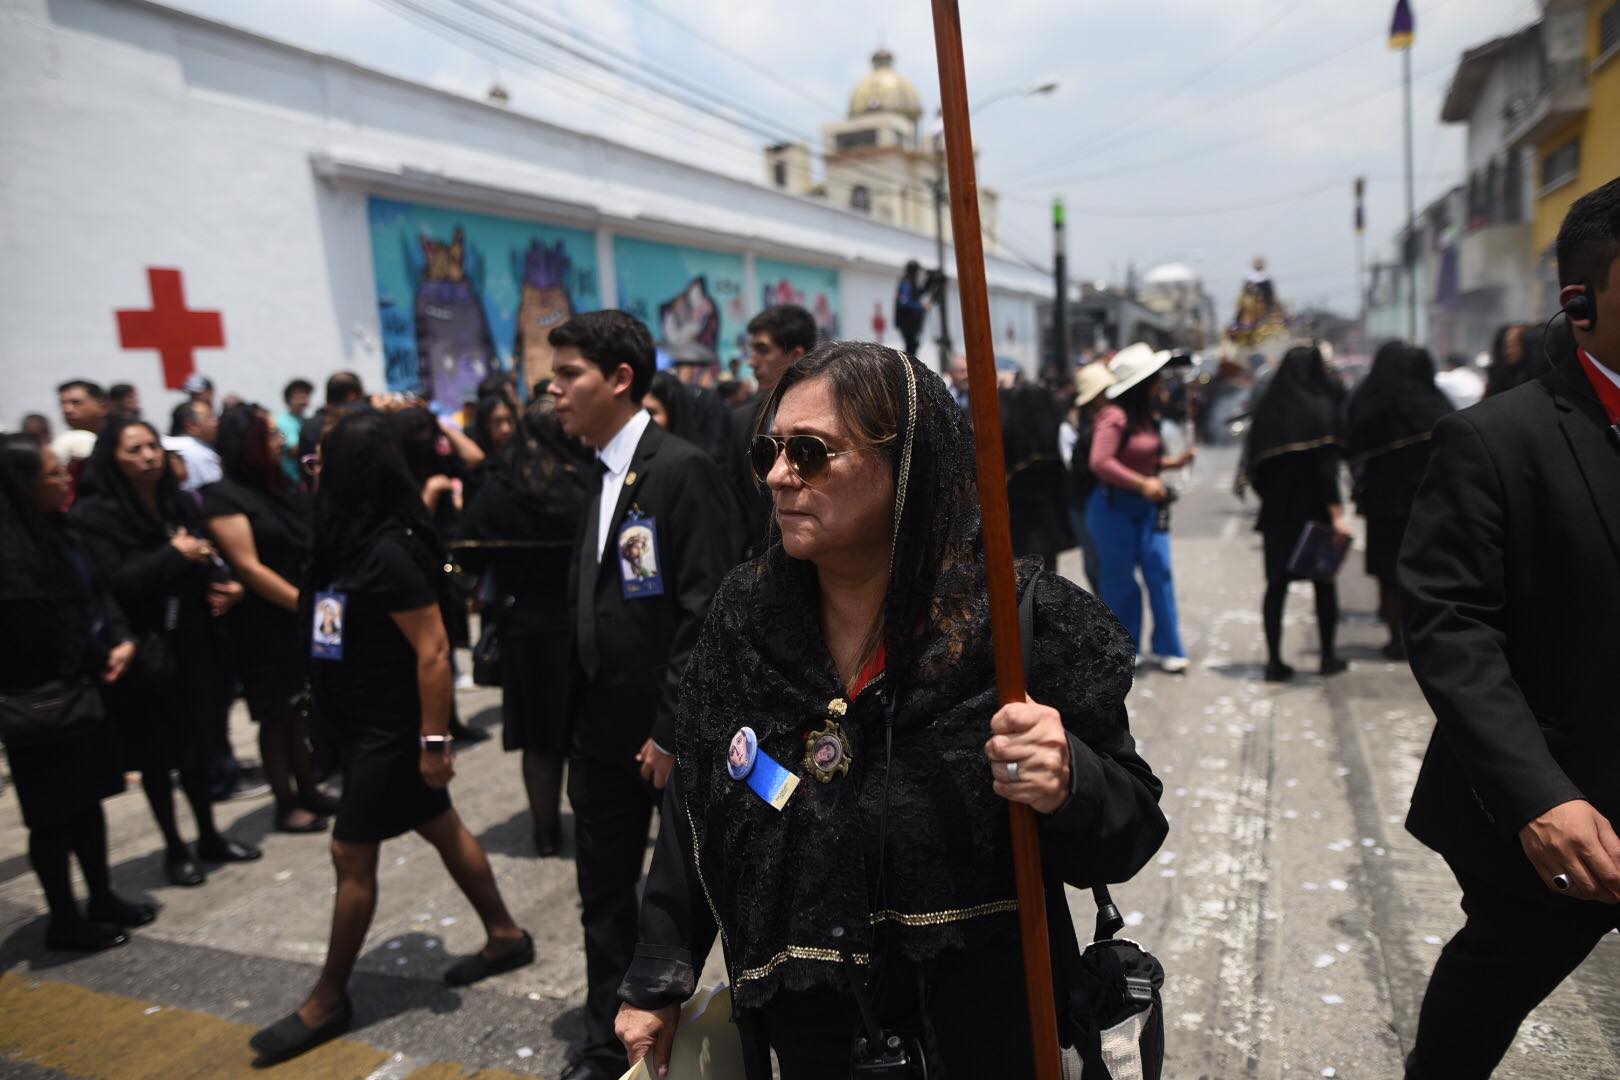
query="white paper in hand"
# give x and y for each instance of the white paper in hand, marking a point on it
(706, 1043)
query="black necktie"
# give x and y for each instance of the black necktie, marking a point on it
(589, 565)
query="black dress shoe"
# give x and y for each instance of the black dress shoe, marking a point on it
(461, 733)
(1332, 665)
(470, 969)
(114, 909)
(319, 802)
(1278, 672)
(183, 870)
(83, 935)
(222, 849)
(285, 824)
(290, 1036)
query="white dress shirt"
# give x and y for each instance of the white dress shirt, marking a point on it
(1607, 372)
(615, 458)
(202, 462)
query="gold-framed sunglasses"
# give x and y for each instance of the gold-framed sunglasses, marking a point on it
(807, 455)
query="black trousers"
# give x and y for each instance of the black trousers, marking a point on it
(1510, 954)
(613, 808)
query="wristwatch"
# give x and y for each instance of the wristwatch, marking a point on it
(437, 743)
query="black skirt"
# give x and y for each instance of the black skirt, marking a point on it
(58, 781)
(534, 688)
(1384, 536)
(384, 794)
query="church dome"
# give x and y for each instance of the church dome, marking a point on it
(885, 90)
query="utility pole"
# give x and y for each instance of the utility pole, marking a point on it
(939, 255)
(1060, 306)
(1402, 32)
(1361, 259)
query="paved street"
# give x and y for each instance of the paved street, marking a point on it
(1296, 918)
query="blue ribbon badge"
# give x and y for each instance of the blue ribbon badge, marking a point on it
(765, 776)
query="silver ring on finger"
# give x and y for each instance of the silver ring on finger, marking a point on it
(1012, 772)
(1561, 882)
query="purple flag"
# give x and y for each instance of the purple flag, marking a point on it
(1402, 28)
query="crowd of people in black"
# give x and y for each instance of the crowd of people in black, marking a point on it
(675, 596)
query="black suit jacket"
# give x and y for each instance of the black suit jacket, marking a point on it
(641, 645)
(1512, 567)
(757, 503)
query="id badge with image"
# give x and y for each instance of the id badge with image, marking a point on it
(326, 636)
(636, 549)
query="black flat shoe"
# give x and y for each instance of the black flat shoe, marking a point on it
(470, 969)
(461, 733)
(290, 1036)
(1332, 665)
(114, 909)
(83, 935)
(547, 843)
(1279, 672)
(1395, 650)
(222, 849)
(182, 870)
(315, 824)
(319, 802)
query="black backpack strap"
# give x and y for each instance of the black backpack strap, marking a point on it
(1109, 920)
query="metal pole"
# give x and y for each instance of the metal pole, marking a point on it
(939, 254)
(1060, 306)
(1411, 208)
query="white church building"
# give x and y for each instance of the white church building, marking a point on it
(180, 195)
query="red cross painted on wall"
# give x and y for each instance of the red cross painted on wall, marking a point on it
(170, 327)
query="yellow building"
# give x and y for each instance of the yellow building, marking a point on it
(1573, 121)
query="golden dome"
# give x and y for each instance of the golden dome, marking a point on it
(885, 90)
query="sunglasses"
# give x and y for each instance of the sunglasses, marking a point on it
(807, 455)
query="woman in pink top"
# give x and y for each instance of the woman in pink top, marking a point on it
(1128, 512)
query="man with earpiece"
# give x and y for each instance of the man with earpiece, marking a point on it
(1511, 566)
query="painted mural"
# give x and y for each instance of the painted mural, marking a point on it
(461, 294)
(684, 295)
(813, 288)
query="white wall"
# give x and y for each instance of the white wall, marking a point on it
(136, 136)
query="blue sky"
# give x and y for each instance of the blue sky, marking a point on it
(1198, 131)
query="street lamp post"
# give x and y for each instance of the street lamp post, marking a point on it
(1037, 90)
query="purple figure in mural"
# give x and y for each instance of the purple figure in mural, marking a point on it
(452, 332)
(543, 270)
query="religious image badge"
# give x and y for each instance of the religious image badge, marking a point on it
(741, 753)
(826, 752)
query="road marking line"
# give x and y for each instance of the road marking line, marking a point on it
(86, 1033)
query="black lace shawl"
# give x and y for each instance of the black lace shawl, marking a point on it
(777, 883)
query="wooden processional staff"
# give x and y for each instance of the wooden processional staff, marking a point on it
(998, 555)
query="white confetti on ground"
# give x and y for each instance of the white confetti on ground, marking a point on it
(1166, 858)
(1332, 999)
(1134, 918)
(1325, 960)
(1338, 886)
(154, 1010)
(1342, 948)
(283, 875)
(525, 1052)
(1432, 939)
(448, 920)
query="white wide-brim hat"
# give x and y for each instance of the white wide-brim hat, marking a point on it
(1090, 381)
(1132, 364)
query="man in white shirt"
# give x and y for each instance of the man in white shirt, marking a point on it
(192, 430)
(653, 545)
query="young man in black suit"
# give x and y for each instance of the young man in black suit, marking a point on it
(1512, 566)
(652, 548)
(777, 338)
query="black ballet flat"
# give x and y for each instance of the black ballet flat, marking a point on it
(1332, 665)
(547, 842)
(1279, 672)
(315, 824)
(182, 870)
(117, 911)
(290, 1036)
(461, 733)
(471, 969)
(222, 849)
(83, 935)
(319, 802)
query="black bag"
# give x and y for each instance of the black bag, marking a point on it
(1109, 1010)
(486, 654)
(51, 712)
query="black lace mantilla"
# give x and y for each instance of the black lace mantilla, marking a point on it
(779, 882)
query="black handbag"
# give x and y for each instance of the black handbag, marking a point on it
(486, 654)
(48, 713)
(1110, 1013)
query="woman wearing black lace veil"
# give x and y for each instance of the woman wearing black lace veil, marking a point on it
(869, 624)
(1294, 450)
(1391, 418)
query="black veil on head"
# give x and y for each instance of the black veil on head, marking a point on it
(936, 581)
(29, 561)
(1398, 399)
(103, 480)
(1299, 409)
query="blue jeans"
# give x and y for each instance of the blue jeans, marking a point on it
(1121, 524)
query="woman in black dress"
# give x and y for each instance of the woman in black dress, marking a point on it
(1037, 482)
(373, 604)
(856, 655)
(520, 528)
(1294, 450)
(1391, 418)
(58, 623)
(262, 525)
(147, 538)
